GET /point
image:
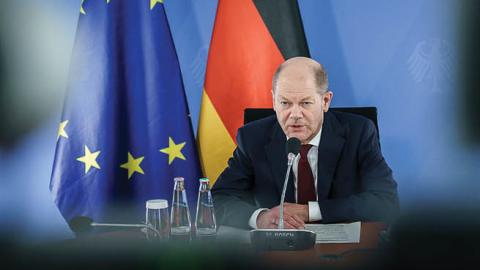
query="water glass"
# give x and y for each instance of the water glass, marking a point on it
(157, 219)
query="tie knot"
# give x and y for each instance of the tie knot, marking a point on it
(304, 150)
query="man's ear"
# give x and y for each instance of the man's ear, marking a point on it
(327, 100)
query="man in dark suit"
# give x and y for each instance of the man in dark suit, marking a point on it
(340, 174)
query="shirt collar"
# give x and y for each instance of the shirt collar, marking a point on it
(315, 141)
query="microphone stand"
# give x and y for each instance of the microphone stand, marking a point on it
(291, 157)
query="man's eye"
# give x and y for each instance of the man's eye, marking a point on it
(283, 102)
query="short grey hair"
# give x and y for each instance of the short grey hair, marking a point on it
(318, 71)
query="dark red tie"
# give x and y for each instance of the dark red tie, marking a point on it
(305, 185)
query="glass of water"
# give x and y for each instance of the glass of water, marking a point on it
(157, 219)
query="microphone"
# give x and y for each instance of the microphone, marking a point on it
(293, 148)
(82, 224)
(284, 239)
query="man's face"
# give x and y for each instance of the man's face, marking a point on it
(298, 104)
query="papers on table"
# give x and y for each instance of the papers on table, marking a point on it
(336, 233)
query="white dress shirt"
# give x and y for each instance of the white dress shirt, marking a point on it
(314, 213)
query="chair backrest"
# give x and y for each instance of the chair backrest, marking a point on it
(252, 114)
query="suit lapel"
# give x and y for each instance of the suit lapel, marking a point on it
(277, 158)
(329, 151)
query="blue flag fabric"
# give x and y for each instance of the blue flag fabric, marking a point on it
(125, 131)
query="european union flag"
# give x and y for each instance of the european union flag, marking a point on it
(125, 131)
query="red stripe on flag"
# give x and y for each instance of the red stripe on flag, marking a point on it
(242, 60)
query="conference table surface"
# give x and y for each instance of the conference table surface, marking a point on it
(323, 254)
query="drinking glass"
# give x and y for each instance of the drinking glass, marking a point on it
(157, 219)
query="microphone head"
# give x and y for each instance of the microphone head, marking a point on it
(80, 224)
(293, 146)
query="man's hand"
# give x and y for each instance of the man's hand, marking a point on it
(299, 210)
(292, 220)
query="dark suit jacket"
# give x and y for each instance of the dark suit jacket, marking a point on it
(354, 182)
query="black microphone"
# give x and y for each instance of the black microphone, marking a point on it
(284, 239)
(292, 147)
(81, 224)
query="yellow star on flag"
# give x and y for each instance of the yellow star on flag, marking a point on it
(154, 2)
(133, 165)
(173, 150)
(61, 130)
(89, 159)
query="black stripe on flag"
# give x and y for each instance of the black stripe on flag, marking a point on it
(283, 20)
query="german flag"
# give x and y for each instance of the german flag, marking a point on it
(250, 40)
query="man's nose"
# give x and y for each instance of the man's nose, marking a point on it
(296, 112)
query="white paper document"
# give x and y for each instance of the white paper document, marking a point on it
(336, 233)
